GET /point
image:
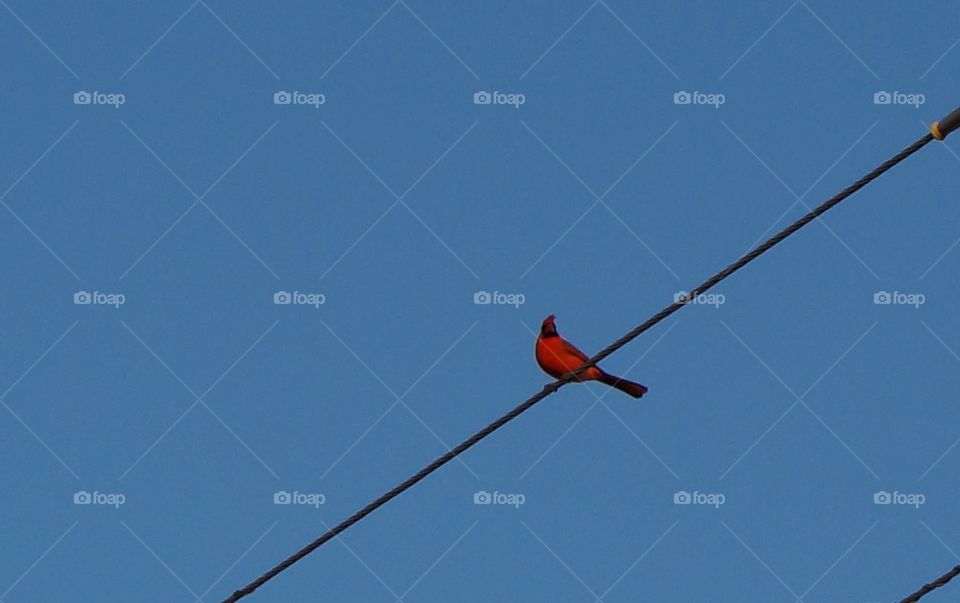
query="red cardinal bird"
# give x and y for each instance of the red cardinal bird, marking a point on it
(558, 357)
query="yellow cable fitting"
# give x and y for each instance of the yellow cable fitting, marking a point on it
(935, 130)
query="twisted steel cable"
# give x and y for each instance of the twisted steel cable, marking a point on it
(607, 351)
(926, 588)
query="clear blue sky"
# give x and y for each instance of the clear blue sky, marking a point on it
(197, 400)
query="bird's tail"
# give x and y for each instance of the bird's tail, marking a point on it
(628, 387)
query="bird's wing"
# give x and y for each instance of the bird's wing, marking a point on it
(572, 349)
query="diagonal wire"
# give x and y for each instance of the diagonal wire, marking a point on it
(552, 387)
(926, 588)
